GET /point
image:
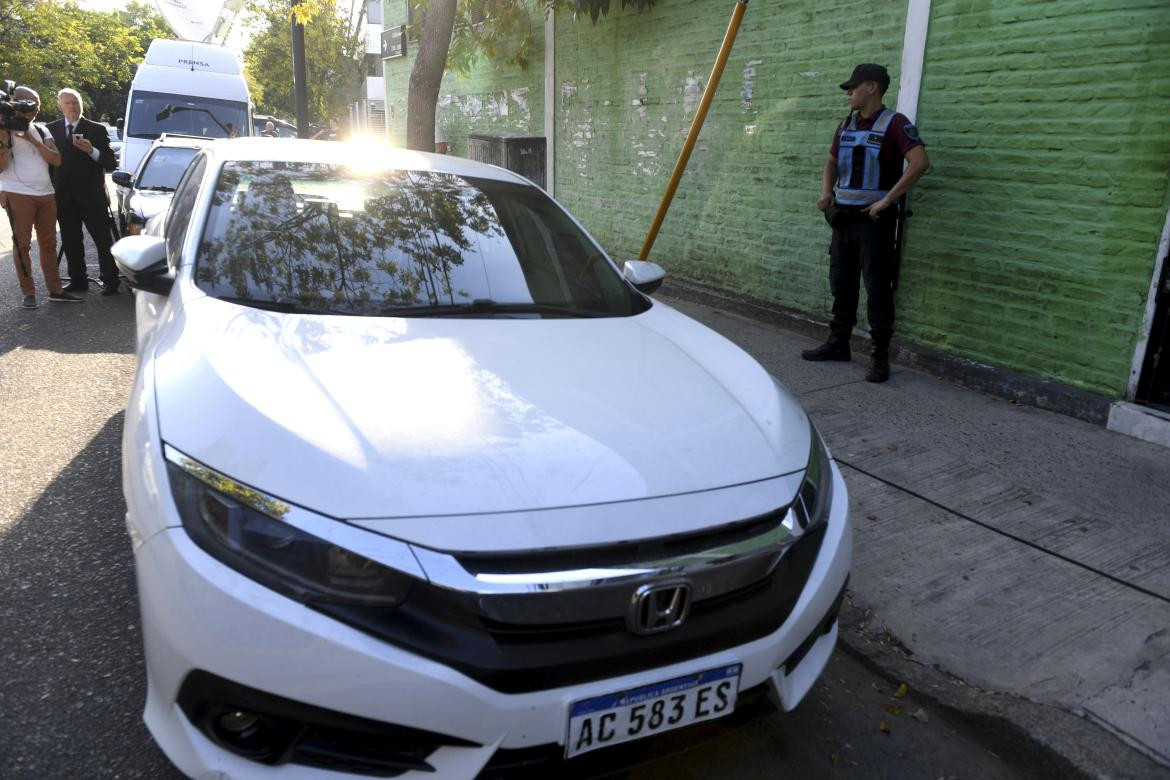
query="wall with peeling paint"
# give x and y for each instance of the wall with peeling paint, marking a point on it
(490, 99)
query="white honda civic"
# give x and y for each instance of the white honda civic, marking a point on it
(419, 481)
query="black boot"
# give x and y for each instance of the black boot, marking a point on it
(836, 348)
(879, 365)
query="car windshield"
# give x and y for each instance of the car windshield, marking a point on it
(163, 169)
(328, 238)
(155, 113)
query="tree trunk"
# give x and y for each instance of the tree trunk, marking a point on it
(427, 75)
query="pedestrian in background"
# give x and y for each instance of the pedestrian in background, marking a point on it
(269, 130)
(331, 133)
(81, 192)
(26, 193)
(875, 158)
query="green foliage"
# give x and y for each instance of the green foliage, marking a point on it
(501, 30)
(49, 45)
(334, 57)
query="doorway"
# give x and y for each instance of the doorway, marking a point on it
(1153, 387)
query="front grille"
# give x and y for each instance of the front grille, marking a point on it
(621, 553)
(514, 658)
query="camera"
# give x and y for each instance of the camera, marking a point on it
(9, 107)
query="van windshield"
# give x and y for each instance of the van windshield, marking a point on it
(155, 113)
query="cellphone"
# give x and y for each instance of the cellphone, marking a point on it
(78, 137)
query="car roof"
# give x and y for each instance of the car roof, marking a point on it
(367, 155)
(178, 139)
(262, 118)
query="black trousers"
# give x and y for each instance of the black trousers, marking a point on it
(863, 248)
(71, 215)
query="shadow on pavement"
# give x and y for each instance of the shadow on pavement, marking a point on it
(102, 324)
(73, 687)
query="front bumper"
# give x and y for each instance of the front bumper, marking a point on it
(199, 615)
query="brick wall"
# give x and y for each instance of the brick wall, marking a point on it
(490, 99)
(1033, 240)
(744, 218)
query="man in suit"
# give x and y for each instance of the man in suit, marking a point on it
(80, 183)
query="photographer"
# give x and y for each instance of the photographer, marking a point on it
(26, 191)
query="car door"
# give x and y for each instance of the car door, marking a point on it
(152, 309)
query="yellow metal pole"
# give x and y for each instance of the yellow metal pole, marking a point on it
(696, 125)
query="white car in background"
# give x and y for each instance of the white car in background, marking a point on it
(420, 482)
(147, 191)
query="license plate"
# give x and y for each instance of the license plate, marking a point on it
(652, 709)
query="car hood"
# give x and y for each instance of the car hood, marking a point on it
(359, 417)
(147, 203)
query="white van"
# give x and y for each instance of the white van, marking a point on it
(187, 88)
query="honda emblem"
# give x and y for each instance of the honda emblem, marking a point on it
(659, 607)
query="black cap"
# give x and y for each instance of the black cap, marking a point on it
(868, 71)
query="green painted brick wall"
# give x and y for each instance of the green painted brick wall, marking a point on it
(492, 98)
(1033, 245)
(1033, 240)
(745, 217)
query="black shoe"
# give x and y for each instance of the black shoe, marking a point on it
(64, 297)
(879, 370)
(110, 289)
(77, 287)
(833, 349)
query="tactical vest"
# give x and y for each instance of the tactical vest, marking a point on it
(859, 173)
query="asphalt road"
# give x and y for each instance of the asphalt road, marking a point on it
(73, 681)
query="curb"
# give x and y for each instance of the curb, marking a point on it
(999, 382)
(1043, 740)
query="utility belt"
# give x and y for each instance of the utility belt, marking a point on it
(839, 216)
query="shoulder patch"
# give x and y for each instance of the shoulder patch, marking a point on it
(911, 132)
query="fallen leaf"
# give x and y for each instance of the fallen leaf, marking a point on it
(872, 517)
(893, 709)
(833, 758)
(884, 726)
(903, 689)
(920, 715)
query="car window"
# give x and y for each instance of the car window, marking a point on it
(163, 169)
(400, 243)
(179, 213)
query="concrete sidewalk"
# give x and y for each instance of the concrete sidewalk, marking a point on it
(1017, 551)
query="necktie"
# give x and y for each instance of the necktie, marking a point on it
(68, 134)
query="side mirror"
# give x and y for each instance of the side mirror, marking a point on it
(143, 261)
(123, 178)
(644, 275)
(121, 123)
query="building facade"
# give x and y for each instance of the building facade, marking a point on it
(1039, 235)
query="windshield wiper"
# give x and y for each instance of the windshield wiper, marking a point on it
(488, 306)
(284, 306)
(156, 188)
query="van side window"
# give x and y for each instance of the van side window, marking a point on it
(179, 215)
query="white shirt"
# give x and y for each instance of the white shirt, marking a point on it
(27, 172)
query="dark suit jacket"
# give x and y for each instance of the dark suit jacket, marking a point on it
(78, 177)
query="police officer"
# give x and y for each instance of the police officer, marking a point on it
(866, 165)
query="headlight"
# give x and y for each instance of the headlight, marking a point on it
(241, 528)
(816, 491)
